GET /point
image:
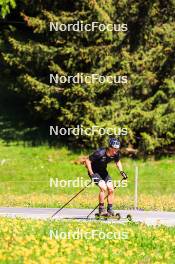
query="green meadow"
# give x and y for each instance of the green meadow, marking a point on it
(26, 171)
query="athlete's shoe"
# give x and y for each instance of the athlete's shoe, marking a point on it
(102, 211)
(110, 212)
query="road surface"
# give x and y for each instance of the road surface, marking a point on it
(147, 217)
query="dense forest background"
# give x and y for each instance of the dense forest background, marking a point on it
(145, 53)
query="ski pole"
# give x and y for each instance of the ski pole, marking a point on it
(71, 199)
(98, 203)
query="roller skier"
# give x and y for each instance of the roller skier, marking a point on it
(96, 165)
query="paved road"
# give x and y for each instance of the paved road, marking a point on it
(147, 217)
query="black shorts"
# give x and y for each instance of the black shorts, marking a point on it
(97, 177)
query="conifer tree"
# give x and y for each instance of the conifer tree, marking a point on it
(144, 53)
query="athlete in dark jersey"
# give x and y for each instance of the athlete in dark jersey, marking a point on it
(97, 169)
(99, 160)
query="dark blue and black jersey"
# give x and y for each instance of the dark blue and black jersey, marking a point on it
(99, 161)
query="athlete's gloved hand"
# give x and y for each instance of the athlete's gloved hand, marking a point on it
(95, 177)
(125, 177)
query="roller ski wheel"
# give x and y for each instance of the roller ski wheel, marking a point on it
(129, 217)
(97, 216)
(118, 216)
(101, 216)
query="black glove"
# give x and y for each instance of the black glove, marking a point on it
(125, 177)
(95, 177)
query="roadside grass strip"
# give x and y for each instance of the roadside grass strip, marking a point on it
(30, 242)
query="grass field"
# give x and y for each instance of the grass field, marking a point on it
(26, 171)
(30, 242)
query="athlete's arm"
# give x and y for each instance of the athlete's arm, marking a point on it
(123, 174)
(119, 165)
(88, 166)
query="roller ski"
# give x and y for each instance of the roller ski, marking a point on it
(114, 216)
(128, 217)
(102, 214)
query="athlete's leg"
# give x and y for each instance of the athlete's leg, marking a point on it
(110, 196)
(110, 188)
(103, 188)
(98, 180)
